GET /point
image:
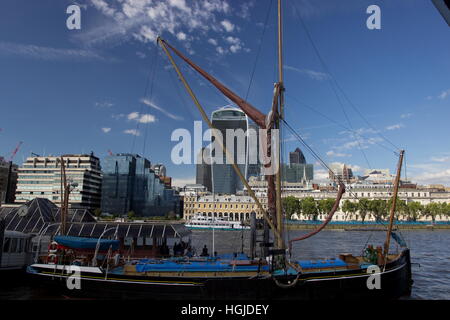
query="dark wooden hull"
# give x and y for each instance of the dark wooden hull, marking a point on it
(396, 282)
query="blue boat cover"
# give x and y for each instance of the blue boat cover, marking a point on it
(86, 243)
(318, 264)
(166, 265)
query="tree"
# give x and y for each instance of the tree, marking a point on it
(400, 207)
(309, 208)
(432, 210)
(98, 212)
(291, 205)
(379, 209)
(325, 206)
(349, 208)
(131, 215)
(363, 208)
(414, 210)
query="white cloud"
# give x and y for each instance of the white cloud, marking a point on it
(227, 25)
(332, 153)
(147, 118)
(181, 36)
(183, 181)
(118, 116)
(47, 53)
(154, 106)
(141, 118)
(133, 132)
(221, 50)
(144, 20)
(440, 159)
(444, 94)
(133, 116)
(245, 9)
(179, 4)
(435, 177)
(106, 130)
(406, 115)
(316, 75)
(104, 104)
(141, 54)
(212, 41)
(395, 126)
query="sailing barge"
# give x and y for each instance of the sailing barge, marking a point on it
(376, 274)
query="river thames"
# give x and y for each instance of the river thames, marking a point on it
(430, 256)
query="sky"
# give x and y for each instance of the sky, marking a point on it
(355, 95)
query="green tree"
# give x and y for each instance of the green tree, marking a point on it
(309, 208)
(291, 205)
(131, 215)
(414, 210)
(379, 209)
(432, 210)
(363, 208)
(400, 207)
(98, 212)
(324, 206)
(349, 208)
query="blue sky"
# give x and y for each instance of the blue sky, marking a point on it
(73, 91)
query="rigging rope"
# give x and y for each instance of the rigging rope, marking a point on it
(155, 68)
(145, 94)
(334, 81)
(259, 49)
(339, 124)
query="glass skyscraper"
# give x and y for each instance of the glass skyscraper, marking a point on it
(224, 178)
(130, 184)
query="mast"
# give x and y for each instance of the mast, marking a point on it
(394, 203)
(63, 198)
(255, 114)
(279, 209)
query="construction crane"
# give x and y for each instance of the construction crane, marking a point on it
(110, 152)
(13, 154)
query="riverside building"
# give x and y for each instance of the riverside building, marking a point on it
(228, 207)
(8, 181)
(131, 185)
(40, 177)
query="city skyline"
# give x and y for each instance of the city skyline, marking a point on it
(77, 91)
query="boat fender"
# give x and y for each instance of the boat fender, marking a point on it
(53, 247)
(52, 258)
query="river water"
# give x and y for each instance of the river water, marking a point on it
(430, 255)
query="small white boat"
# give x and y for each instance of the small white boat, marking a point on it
(201, 222)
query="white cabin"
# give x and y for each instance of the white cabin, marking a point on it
(16, 250)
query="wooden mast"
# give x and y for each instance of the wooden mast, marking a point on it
(279, 209)
(163, 44)
(393, 206)
(64, 195)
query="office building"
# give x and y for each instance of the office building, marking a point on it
(40, 177)
(8, 181)
(224, 178)
(131, 185)
(203, 170)
(297, 157)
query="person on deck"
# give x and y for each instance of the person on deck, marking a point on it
(205, 252)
